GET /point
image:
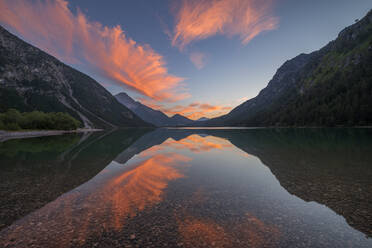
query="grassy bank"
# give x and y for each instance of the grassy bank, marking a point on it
(13, 120)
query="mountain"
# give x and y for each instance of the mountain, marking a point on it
(31, 79)
(150, 115)
(180, 120)
(203, 119)
(147, 114)
(331, 86)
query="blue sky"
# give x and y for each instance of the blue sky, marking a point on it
(231, 71)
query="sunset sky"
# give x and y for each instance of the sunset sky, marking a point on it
(197, 58)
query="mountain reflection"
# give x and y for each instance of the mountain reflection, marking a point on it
(36, 171)
(192, 188)
(329, 166)
(116, 194)
(196, 143)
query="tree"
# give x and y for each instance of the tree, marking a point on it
(14, 120)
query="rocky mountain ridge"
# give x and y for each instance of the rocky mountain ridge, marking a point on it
(31, 79)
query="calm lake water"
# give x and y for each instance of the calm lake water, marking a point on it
(188, 188)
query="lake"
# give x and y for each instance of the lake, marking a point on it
(188, 188)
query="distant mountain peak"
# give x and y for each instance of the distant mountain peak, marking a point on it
(177, 116)
(150, 115)
(127, 101)
(203, 119)
(123, 94)
(181, 117)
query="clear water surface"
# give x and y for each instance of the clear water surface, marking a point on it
(188, 188)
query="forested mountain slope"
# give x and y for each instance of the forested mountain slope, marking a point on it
(332, 86)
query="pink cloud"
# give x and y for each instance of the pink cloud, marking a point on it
(74, 39)
(198, 59)
(193, 110)
(200, 19)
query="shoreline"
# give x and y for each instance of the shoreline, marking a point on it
(266, 127)
(7, 135)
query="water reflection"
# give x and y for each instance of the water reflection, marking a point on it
(248, 232)
(36, 171)
(212, 188)
(103, 204)
(196, 143)
(329, 166)
(142, 186)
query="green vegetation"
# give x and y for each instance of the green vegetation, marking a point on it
(340, 95)
(333, 88)
(36, 120)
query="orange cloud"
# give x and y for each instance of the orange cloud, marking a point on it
(200, 19)
(193, 111)
(243, 99)
(74, 39)
(198, 59)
